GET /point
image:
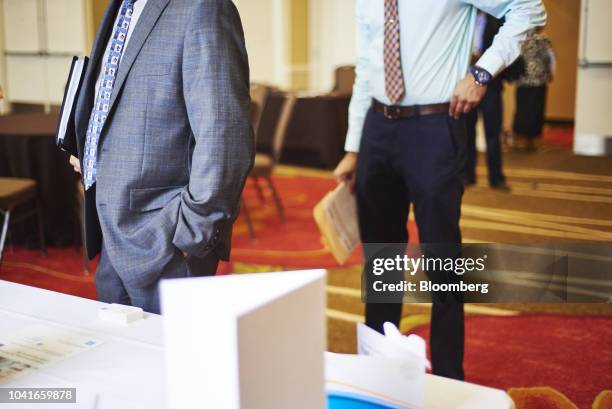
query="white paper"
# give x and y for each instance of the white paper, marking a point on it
(41, 345)
(343, 213)
(375, 380)
(393, 344)
(336, 216)
(11, 369)
(253, 341)
(389, 369)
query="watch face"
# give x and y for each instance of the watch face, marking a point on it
(481, 76)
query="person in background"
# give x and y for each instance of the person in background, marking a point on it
(491, 108)
(539, 64)
(406, 140)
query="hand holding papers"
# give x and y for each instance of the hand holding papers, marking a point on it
(388, 372)
(336, 216)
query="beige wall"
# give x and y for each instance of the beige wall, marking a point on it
(41, 37)
(94, 10)
(332, 40)
(594, 97)
(264, 24)
(299, 53)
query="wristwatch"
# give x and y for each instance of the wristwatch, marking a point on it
(481, 76)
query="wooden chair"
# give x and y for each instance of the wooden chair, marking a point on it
(259, 99)
(345, 79)
(265, 163)
(17, 192)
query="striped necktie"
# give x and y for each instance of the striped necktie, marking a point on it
(394, 77)
(101, 107)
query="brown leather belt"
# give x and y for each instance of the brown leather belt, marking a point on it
(399, 112)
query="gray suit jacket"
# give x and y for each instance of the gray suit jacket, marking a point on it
(177, 146)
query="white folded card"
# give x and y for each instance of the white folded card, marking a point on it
(252, 341)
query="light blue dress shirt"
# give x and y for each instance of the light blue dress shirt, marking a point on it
(436, 45)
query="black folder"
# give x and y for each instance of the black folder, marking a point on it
(66, 133)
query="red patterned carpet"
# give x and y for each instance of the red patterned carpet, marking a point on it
(571, 355)
(61, 270)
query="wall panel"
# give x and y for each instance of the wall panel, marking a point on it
(65, 26)
(22, 26)
(332, 40)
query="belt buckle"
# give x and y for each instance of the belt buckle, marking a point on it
(391, 112)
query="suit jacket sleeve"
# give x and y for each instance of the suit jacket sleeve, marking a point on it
(216, 90)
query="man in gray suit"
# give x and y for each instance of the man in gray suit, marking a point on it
(165, 143)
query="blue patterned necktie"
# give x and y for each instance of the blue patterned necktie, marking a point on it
(101, 107)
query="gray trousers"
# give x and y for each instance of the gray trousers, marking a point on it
(111, 288)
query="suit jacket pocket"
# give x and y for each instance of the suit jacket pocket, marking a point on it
(148, 199)
(153, 70)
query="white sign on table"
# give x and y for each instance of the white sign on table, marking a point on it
(252, 341)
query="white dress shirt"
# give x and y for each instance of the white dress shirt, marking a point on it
(436, 39)
(139, 6)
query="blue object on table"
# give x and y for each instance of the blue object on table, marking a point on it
(344, 400)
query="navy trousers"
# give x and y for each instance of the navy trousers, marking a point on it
(491, 107)
(415, 161)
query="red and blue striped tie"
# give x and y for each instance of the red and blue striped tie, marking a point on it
(394, 77)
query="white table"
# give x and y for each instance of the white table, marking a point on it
(127, 371)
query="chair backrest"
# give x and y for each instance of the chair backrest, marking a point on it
(255, 117)
(282, 125)
(259, 97)
(345, 78)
